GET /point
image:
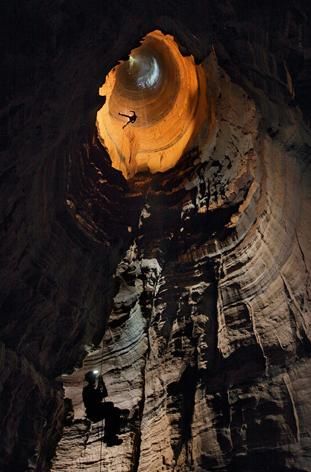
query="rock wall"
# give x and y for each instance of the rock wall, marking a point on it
(209, 337)
(204, 270)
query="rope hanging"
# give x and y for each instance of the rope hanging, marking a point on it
(102, 421)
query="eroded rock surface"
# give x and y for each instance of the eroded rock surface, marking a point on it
(203, 272)
(208, 339)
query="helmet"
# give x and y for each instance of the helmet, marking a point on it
(90, 376)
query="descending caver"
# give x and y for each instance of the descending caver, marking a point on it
(131, 118)
(96, 409)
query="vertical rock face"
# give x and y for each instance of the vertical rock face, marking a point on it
(203, 272)
(209, 335)
(166, 118)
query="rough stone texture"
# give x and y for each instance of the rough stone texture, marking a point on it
(206, 268)
(167, 117)
(209, 334)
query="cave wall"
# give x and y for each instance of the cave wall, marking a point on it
(214, 289)
(208, 340)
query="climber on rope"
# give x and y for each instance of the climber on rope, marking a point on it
(96, 410)
(131, 118)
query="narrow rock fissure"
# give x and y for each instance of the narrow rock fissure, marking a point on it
(148, 305)
(138, 435)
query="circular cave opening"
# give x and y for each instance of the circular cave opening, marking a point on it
(155, 106)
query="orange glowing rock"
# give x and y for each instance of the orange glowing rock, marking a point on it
(167, 92)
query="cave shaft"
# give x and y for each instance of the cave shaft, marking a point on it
(173, 253)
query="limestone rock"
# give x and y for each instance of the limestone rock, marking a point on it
(189, 289)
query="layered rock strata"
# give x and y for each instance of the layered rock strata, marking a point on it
(165, 92)
(215, 346)
(209, 335)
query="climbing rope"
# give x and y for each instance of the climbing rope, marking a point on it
(129, 142)
(102, 421)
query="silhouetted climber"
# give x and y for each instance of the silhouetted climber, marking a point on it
(96, 410)
(131, 118)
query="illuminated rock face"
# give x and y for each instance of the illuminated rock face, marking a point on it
(167, 92)
(198, 278)
(206, 340)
